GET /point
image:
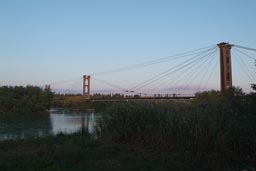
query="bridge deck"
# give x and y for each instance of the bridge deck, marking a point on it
(144, 98)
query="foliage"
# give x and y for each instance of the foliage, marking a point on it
(78, 152)
(21, 99)
(211, 124)
(137, 121)
(253, 86)
(78, 102)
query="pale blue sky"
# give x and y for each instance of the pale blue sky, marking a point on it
(46, 41)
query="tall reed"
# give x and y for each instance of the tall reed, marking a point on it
(225, 125)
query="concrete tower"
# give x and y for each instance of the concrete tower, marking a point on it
(225, 66)
(86, 86)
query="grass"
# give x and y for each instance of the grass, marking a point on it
(77, 152)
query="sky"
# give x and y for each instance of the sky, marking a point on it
(50, 41)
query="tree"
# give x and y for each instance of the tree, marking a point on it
(27, 99)
(253, 87)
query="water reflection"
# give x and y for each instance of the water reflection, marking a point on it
(70, 123)
(57, 121)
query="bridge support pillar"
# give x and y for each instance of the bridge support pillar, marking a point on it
(86, 86)
(225, 66)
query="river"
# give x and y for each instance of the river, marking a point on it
(57, 121)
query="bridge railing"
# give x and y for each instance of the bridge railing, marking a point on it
(98, 96)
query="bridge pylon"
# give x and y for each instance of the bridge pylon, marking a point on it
(225, 66)
(86, 86)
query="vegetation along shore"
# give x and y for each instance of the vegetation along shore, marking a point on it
(24, 100)
(210, 132)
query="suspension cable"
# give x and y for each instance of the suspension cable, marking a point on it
(192, 75)
(152, 62)
(65, 81)
(184, 73)
(169, 71)
(207, 69)
(210, 76)
(245, 54)
(243, 47)
(243, 66)
(110, 84)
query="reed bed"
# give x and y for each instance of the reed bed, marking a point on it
(222, 126)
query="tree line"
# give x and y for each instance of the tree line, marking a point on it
(20, 99)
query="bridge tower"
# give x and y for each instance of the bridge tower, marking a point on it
(86, 86)
(225, 66)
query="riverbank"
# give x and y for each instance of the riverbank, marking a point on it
(78, 152)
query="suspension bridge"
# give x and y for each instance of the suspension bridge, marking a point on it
(178, 76)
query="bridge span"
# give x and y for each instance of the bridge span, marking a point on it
(137, 97)
(212, 67)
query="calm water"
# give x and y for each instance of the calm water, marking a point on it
(57, 121)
